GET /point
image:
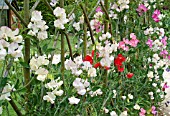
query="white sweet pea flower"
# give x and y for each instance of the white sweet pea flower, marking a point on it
(42, 35)
(3, 53)
(41, 77)
(59, 24)
(86, 65)
(53, 3)
(58, 92)
(150, 74)
(76, 26)
(106, 110)
(73, 100)
(123, 97)
(36, 16)
(33, 64)
(56, 59)
(41, 71)
(72, 17)
(114, 93)
(136, 107)
(130, 96)
(17, 39)
(6, 90)
(92, 72)
(82, 92)
(41, 60)
(50, 97)
(113, 113)
(124, 113)
(3, 43)
(15, 50)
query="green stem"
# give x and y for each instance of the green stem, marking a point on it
(62, 49)
(85, 36)
(47, 4)
(27, 53)
(14, 106)
(69, 45)
(88, 23)
(106, 24)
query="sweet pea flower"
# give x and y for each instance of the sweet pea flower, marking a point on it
(163, 40)
(155, 15)
(141, 9)
(142, 112)
(73, 100)
(154, 112)
(164, 53)
(149, 43)
(98, 9)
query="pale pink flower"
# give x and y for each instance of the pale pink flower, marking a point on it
(149, 43)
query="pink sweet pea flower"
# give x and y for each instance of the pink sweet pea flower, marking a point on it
(169, 57)
(154, 112)
(164, 53)
(142, 112)
(141, 9)
(133, 36)
(98, 9)
(126, 41)
(163, 40)
(155, 15)
(97, 26)
(149, 43)
(133, 42)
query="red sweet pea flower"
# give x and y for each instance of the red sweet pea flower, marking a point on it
(118, 62)
(121, 58)
(97, 65)
(129, 75)
(120, 68)
(88, 58)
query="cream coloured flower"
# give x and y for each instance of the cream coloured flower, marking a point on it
(73, 100)
(92, 72)
(136, 107)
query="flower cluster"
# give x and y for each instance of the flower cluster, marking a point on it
(81, 85)
(10, 43)
(37, 26)
(36, 65)
(157, 16)
(121, 5)
(133, 42)
(61, 18)
(118, 62)
(53, 85)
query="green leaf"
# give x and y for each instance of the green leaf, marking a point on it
(3, 82)
(50, 50)
(24, 64)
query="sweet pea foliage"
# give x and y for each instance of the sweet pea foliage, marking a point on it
(124, 72)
